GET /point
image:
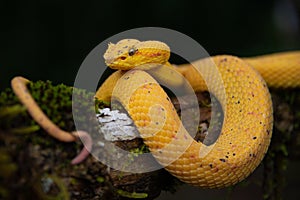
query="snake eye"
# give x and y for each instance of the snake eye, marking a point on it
(132, 51)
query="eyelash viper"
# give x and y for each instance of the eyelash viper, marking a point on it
(248, 120)
(247, 125)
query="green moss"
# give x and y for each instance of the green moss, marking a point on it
(99, 104)
(100, 179)
(136, 152)
(25, 130)
(56, 103)
(133, 195)
(17, 126)
(11, 111)
(140, 150)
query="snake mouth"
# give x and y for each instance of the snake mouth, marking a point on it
(109, 60)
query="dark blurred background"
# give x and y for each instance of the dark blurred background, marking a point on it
(50, 39)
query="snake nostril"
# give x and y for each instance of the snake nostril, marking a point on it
(123, 58)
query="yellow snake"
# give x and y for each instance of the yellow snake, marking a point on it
(247, 125)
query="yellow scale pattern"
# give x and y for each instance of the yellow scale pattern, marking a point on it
(246, 131)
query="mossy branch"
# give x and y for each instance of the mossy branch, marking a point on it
(34, 164)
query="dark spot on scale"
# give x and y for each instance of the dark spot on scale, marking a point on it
(240, 110)
(260, 122)
(223, 60)
(125, 47)
(222, 160)
(160, 151)
(210, 165)
(156, 123)
(268, 132)
(200, 165)
(254, 138)
(250, 154)
(254, 155)
(126, 78)
(227, 152)
(232, 96)
(226, 156)
(148, 91)
(168, 98)
(233, 154)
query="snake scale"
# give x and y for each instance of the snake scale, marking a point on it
(248, 120)
(247, 106)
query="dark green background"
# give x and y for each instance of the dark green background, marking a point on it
(50, 39)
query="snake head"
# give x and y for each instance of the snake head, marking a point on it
(130, 53)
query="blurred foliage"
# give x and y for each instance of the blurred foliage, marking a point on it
(48, 40)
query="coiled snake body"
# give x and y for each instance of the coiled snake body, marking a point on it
(247, 106)
(247, 125)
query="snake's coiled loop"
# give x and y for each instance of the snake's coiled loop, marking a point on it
(247, 106)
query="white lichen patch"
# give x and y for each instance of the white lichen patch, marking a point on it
(116, 126)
